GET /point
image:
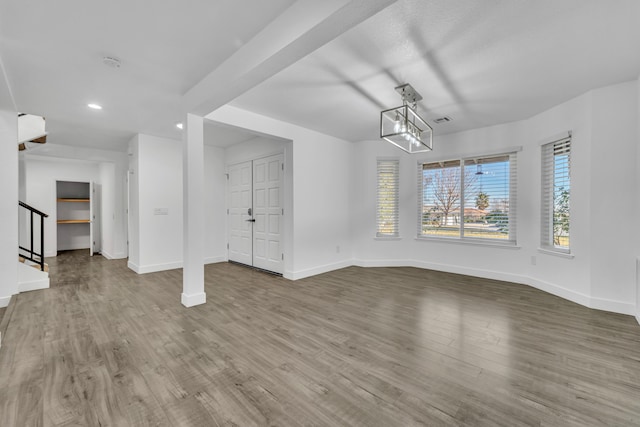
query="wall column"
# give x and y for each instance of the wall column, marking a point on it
(193, 205)
(8, 206)
(637, 196)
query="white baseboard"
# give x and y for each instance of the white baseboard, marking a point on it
(381, 263)
(486, 274)
(118, 255)
(4, 301)
(638, 318)
(613, 306)
(34, 285)
(152, 268)
(133, 267)
(577, 297)
(559, 291)
(195, 299)
(72, 248)
(215, 259)
(301, 274)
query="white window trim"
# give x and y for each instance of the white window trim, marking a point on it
(462, 239)
(473, 155)
(545, 248)
(559, 252)
(470, 241)
(395, 236)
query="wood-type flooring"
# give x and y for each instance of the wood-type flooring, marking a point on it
(355, 347)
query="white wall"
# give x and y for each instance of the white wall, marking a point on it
(8, 198)
(42, 174)
(601, 271)
(316, 193)
(215, 248)
(133, 227)
(65, 163)
(613, 215)
(155, 174)
(637, 197)
(107, 215)
(253, 149)
(157, 178)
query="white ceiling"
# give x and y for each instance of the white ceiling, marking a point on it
(53, 50)
(480, 62)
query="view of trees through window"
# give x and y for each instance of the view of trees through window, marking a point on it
(561, 197)
(467, 199)
(556, 195)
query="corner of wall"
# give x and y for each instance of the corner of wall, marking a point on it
(133, 267)
(4, 301)
(637, 197)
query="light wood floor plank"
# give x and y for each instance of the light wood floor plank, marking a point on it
(359, 347)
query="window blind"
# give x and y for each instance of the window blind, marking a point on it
(440, 198)
(471, 198)
(388, 199)
(555, 195)
(490, 196)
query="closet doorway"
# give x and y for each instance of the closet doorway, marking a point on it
(77, 208)
(255, 210)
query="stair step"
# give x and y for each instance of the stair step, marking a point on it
(34, 265)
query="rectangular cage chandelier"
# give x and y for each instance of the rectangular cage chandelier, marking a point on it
(403, 127)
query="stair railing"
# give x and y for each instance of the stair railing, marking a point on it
(30, 253)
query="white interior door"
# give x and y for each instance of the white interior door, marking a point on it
(240, 225)
(267, 205)
(255, 213)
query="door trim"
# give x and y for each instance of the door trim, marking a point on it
(283, 203)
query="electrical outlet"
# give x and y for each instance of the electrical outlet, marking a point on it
(533, 260)
(338, 249)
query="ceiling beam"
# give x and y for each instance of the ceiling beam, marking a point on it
(301, 29)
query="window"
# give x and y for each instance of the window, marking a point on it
(471, 198)
(387, 198)
(556, 195)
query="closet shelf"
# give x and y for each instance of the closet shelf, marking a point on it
(73, 221)
(73, 200)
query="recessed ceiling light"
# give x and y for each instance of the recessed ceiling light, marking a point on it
(95, 106)
(179, 126)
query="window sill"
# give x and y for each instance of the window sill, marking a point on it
(468, 242)
(387, 238)
(567, 255)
